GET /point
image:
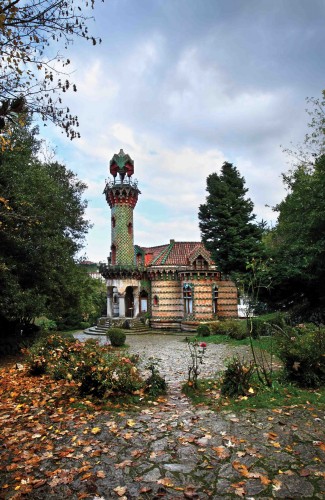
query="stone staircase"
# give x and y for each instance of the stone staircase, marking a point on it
(103, 324)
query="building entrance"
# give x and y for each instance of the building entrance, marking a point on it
(129, 302)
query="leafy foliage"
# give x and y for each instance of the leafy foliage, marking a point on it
(237, 377)
(155, 384)
(32, 76)
(197, 353)
(236, 329)
(302, 351)
(42, 226)
(203, 330)
(297, 244)
(97, 369)
(116, 336)
(261, 326)
(226, 221)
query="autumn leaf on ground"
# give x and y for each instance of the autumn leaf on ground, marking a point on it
(319, 444)
(271, 436)
(221, 451)
(241, 468)
(120, 490)
(166, 481)
(190, 492)
(125, 463)
(239, 488)
(145, 489)
(276, 484)
(95, 430)
(130, 423)
(101, 474)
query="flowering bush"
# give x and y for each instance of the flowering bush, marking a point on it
(197, 352)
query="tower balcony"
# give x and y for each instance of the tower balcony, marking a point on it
(121, 191)
(109, 271)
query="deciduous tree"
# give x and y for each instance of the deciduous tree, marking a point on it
(32, 76)
(42, 226)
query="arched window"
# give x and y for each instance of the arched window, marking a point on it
(155, 300)
(188, 298)
(130, 228)
(143, 301)
(113, 221)
(215, 293)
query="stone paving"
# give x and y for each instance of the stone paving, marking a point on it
(173, 450)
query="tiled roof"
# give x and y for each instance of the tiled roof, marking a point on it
(176, 253)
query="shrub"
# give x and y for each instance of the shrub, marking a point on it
(302, 351)
(237, 377)
(264, 326)
(96, 369)
(47, 351)
(236, 329)
(47, 325)
(84, 324)
(155, 384)
(116, 336)
(203, 330)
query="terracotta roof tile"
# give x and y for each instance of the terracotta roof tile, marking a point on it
(176, 253)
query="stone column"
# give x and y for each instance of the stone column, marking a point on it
(109, 302)
(136, 298)
(121, 300)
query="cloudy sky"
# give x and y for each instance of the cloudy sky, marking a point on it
(182, 86)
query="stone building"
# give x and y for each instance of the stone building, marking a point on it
(177, 284)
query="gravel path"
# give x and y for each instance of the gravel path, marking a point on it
(173, 354)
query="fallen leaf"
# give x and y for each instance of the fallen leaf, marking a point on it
(190, 492)
(101, 474)
(145, 489)
(166, 481)
(95, 430)
(122, 465)
(120, 490)
(221, 451)
(241, 468)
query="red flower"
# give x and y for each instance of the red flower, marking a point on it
(203, 344)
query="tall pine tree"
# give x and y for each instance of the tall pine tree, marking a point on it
(226, 221)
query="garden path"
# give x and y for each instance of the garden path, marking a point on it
(172, 352)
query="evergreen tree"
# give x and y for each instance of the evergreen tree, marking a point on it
(226, 221)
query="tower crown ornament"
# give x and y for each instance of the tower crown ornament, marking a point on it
(121, 164)
(122, 196)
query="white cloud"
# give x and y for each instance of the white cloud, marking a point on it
(226, 84)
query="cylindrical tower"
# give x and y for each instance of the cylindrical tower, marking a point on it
(122, 196)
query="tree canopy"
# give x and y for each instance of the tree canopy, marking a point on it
(226, 221)
(296, 246)
(31, 76)
(42, 226)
